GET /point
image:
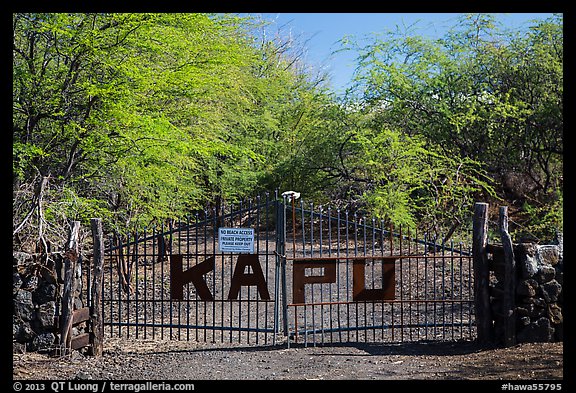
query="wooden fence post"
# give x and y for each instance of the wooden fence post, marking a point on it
(481, 274)
(70, 259)
(95, 312)
(508, 301)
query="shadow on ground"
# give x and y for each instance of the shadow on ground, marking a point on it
(378, 349)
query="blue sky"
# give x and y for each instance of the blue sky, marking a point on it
(323, 30)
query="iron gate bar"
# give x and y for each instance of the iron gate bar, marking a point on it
(388, 232)
(214, 231)
(398, 257)
(197, 221)
(384, 301)
(401, 282)
(181, 229)
(257, 253)
(135, 262)
(409, 286)
(240, 295)
(162, 268)
(294, 305)
(200, 300)
(391, 234)
(443, 291)
(145, 283)
(198, 327)
(294, 335)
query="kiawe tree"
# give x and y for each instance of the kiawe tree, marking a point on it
(62, 78)
(139, 118)
(481, 96)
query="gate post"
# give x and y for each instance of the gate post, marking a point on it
(279, 273)
(283, 269)
(481, 274)
(508, 301)
(97, 308)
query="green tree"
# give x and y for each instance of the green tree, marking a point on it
(139, 118)
(480, 93)
(61, 79)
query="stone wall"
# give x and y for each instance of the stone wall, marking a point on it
(539, 272)
(539, 297)
(37, 290)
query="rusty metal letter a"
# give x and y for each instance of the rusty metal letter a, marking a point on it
(240, 278)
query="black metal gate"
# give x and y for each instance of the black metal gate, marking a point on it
(309, 275)
(174, 283)
(351, 279)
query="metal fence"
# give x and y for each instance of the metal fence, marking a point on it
(369, 283)
(314, 275)
(139, 299)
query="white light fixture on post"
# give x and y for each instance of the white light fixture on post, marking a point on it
(292, 196)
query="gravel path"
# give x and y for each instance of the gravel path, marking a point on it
(173, 360)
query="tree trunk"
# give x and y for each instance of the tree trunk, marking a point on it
(70, 259)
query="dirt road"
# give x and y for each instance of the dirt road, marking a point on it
(173, 360)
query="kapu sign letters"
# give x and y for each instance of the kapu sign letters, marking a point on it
(241, 240)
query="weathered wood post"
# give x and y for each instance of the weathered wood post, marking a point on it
(70, 259)
(508, 300)
(481, 274)
(95, 312)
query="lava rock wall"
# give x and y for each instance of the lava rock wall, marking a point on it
(539, 296)
(37, 291)
(538, 276)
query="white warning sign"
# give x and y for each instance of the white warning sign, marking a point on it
(236, 240)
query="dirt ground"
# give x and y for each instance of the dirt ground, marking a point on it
(173, 360)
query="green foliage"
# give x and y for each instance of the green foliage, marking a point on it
(480, 95)
(407, 184)
(142, 118)
(71, 206)
(542, 222)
